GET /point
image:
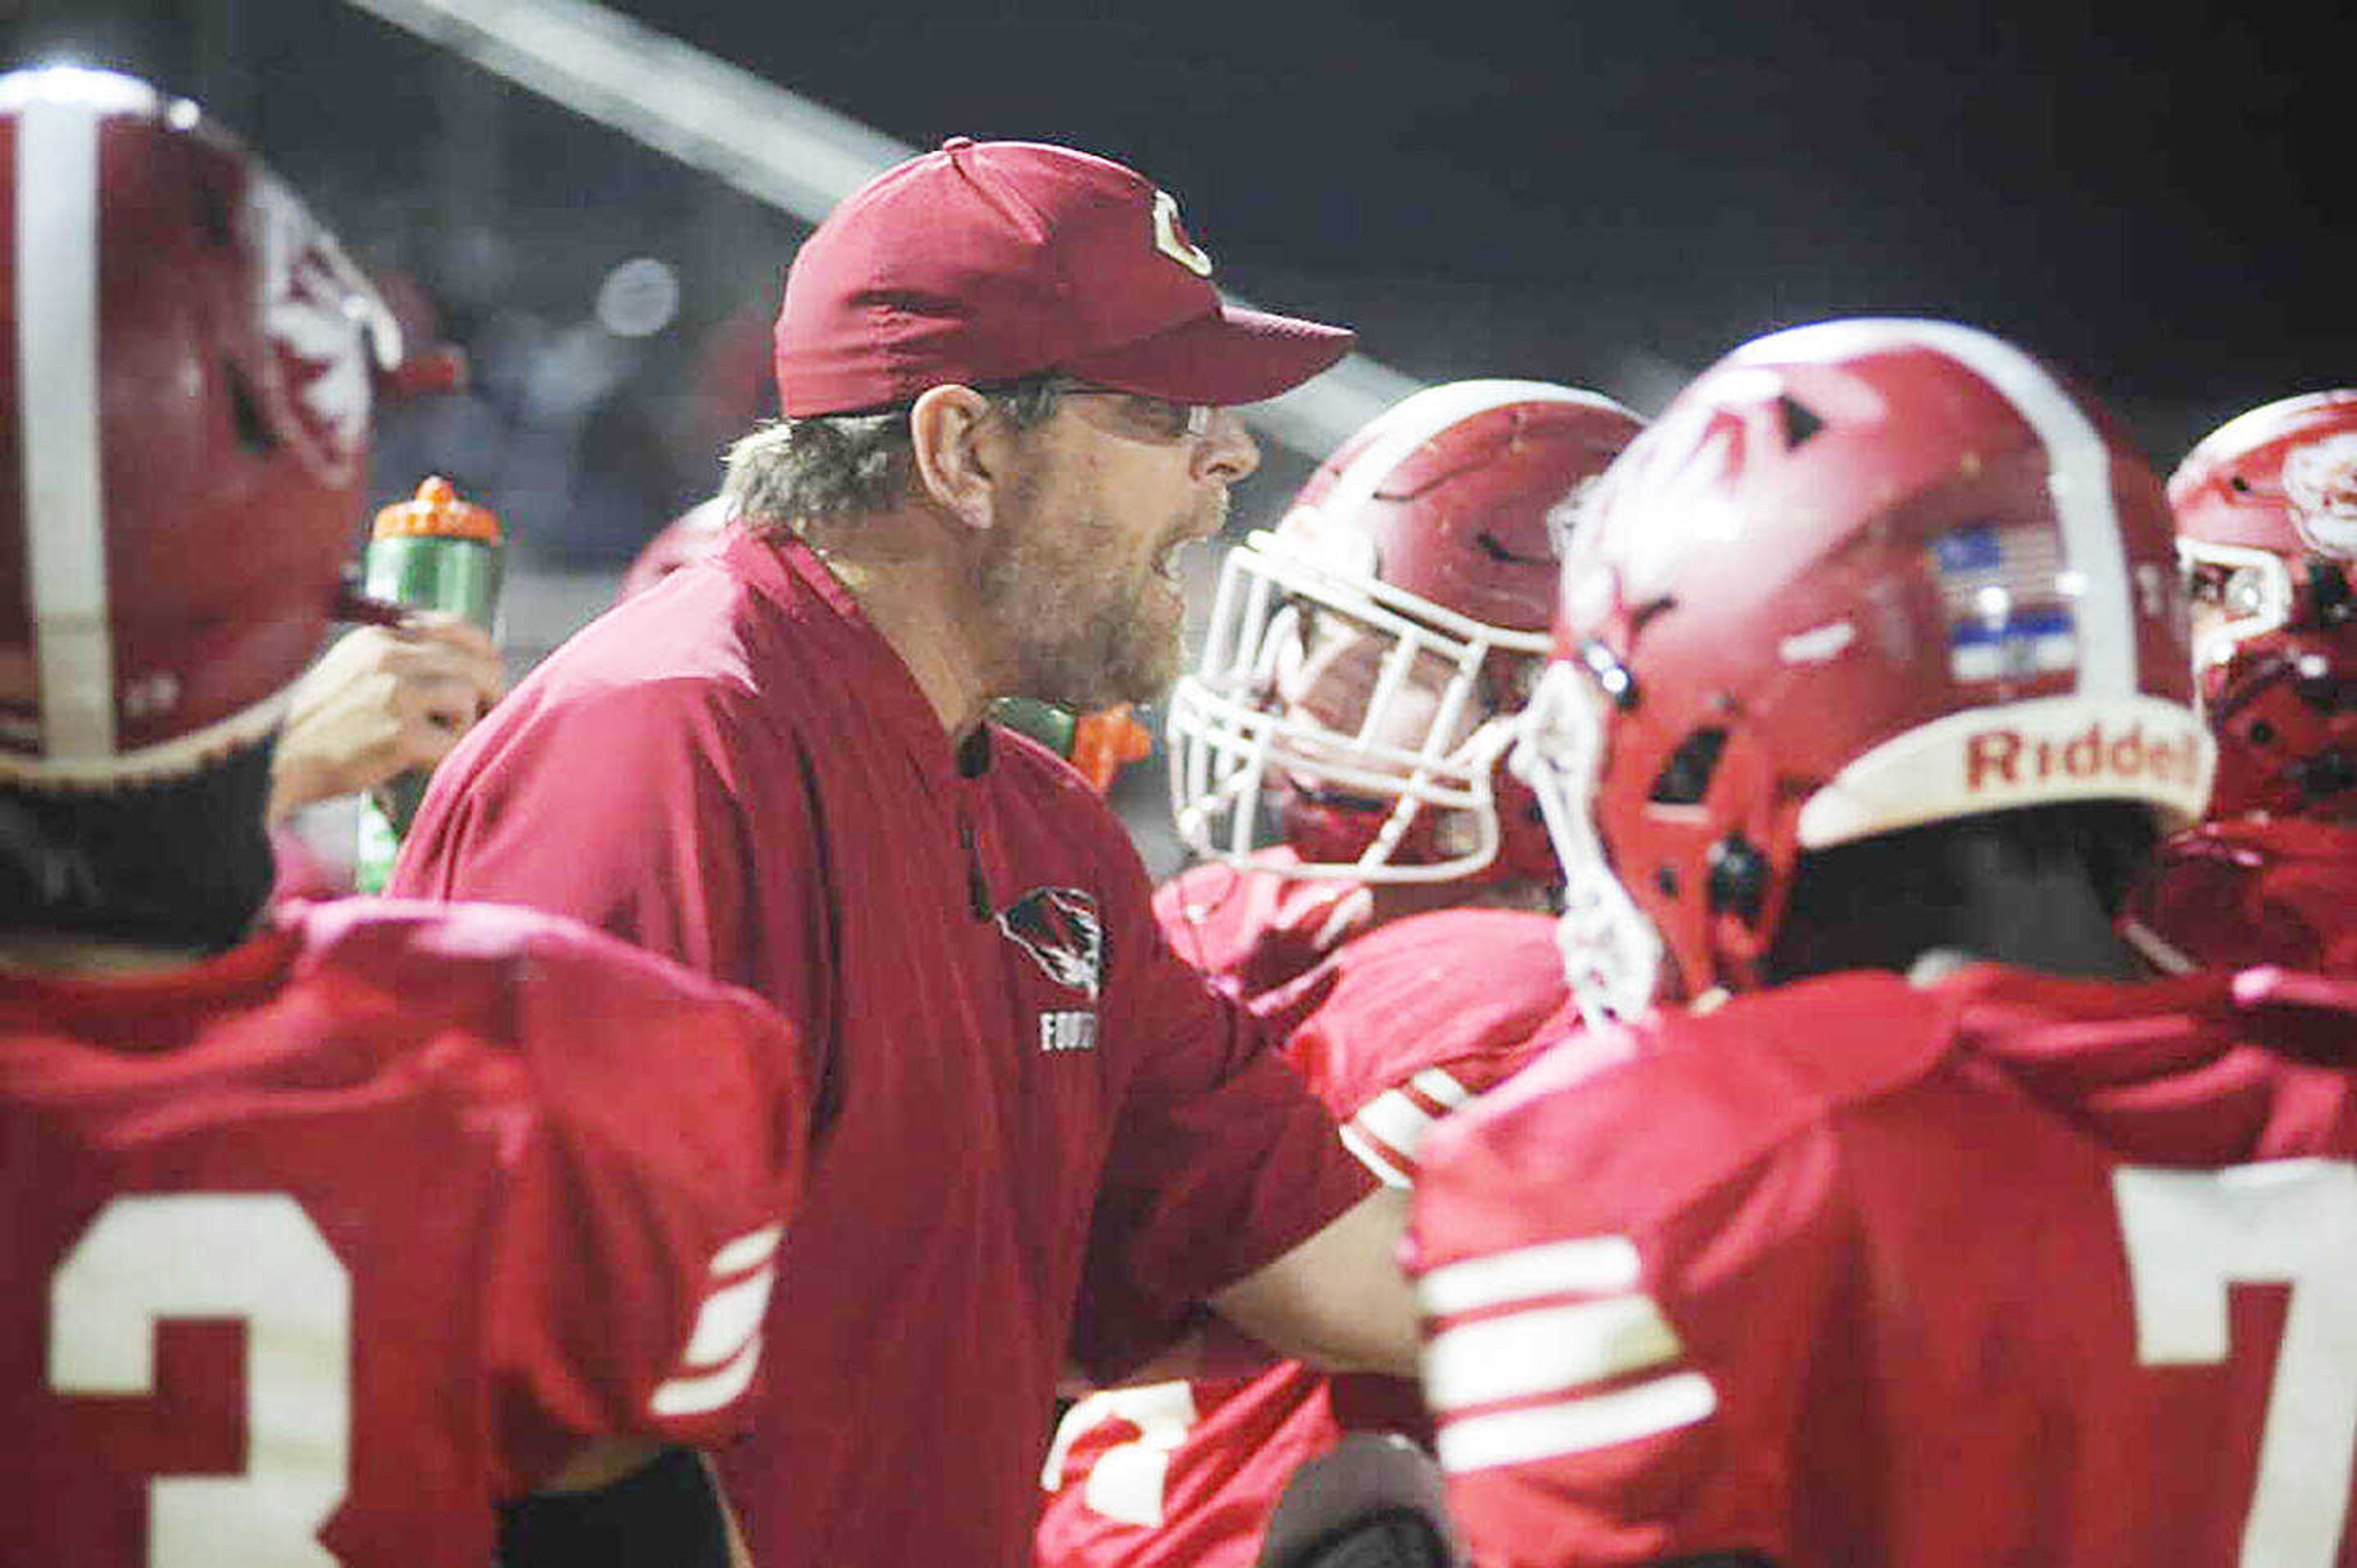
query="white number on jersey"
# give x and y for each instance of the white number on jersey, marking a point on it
(2190, 1234)
(256, 1258)
(1127, 1480)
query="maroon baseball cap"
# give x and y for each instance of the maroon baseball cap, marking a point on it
(987, 261)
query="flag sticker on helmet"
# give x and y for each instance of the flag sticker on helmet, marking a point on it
(2078, 476)
(2002, 589)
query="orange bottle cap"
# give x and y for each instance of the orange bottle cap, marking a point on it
(436, 514)
(1106, 741)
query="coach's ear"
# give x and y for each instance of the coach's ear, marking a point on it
(961, 452)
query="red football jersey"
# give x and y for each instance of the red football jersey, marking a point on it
(1412, 1019)
(1252, 931)
(1047, 1136)
(2007, 1268)
(2256, 890)
(318, 1249)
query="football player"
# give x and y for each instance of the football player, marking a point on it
(331, 1231)
(1358, 670)
(1343, 734)
(1944, 1241)
(2266, 526)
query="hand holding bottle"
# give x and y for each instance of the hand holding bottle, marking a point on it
(382, 701)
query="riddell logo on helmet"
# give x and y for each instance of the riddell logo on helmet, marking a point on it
(2009, 758)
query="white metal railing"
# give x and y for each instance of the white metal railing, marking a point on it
(775, 145)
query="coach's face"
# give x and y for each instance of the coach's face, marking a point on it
(1083, 583)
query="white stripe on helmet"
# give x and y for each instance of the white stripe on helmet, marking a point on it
(58, 410)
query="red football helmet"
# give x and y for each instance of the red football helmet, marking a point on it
(1363, 657)
(189, 404)
(1857, 576)
(2267, 525)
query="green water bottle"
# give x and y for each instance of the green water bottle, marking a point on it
(1099, 743)
(437, 552)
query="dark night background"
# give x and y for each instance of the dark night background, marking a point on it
(1610, 195)
(2159, 200)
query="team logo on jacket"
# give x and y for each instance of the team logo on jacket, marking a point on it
(1060, 929)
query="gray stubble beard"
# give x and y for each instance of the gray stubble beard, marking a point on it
(1105, 657)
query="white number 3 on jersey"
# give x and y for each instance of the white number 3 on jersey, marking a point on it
(256, 1258)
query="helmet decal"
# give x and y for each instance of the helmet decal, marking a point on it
(1680, 471)
(2320, 481)
(2003, 589)
(1818, 644)
(312, 310)
(2078, 476)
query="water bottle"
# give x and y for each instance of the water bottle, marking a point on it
(435, 552)
(1099, 743)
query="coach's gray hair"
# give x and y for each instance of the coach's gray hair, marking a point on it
(827, 467)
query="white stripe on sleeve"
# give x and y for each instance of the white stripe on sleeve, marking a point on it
(1440, 1086)
(708, 1391)
(1576, 1426)
(1378, 1160)
(752, 1248)
(731, 1318)
(1592, 1265)
(1549, 1349)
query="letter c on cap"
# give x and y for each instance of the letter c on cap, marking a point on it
(1171, 240)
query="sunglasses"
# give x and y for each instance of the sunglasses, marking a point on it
(1139, 416)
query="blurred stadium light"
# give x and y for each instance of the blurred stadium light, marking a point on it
(775, 145)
